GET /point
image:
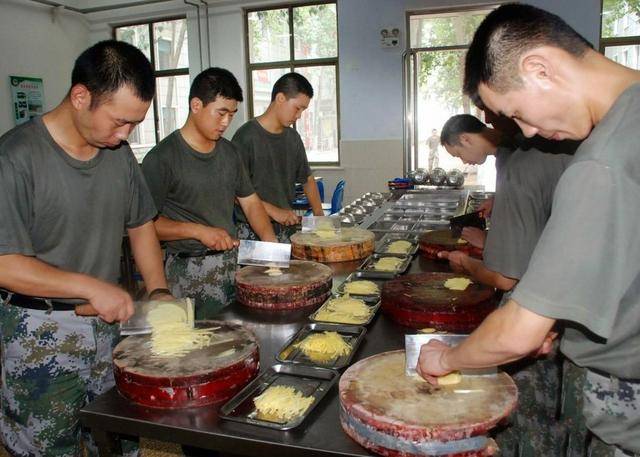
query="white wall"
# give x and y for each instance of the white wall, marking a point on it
(32, 44)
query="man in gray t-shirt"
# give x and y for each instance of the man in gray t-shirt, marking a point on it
(195, 176)
(69, 188)
(275, 158)
(586, 266)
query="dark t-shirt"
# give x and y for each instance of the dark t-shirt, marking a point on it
(586, 266)
(521, 208)
(66, 212)
(275, 162)
(190, 186)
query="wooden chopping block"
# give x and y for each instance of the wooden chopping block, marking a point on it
(442, 240)
(352, 243)
(303, 284)
(421, 300)
(395, 415)
(204, 376)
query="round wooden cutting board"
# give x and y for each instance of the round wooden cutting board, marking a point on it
(352, 243)
(204, 376)
(422, 300)
(395, 415)
(303, 284)
(435, 241)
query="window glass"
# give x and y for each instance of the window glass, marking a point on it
(170, 45)
(315, 31)
(446, 29)
(137, 35)
(620, 18)
(262, 82)
(268, 36)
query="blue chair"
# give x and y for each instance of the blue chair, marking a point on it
(320, 189)
(336, 199)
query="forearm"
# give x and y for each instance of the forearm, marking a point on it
(258, 218)
(480, 273)
(170, 230)
(509, 333)
(148, 256)
(313, 195)
(30, 276)
(270, 209)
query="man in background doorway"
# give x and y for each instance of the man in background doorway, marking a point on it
(433, 142)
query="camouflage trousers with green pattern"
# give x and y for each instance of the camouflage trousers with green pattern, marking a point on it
(52, 365)
(208, 280)
(283, 233)
(612, 413)
(533, 429)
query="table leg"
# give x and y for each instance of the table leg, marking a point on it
(108, 443)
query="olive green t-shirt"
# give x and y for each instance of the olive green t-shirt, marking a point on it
(69, 213)
(190, 186)
(586, 266)
(275, 162)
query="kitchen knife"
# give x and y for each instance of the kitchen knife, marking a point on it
(324, 223)
(456, 224)
(264, 254)
(414, 342)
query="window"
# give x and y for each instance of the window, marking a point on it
(620, 33)
(438, 44)
(302, 39)
(165, 44)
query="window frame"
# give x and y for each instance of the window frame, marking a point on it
(614, 41)
(157, 74)
(292, 63)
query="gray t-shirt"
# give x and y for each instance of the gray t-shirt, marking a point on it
(68, 213)
(586, 266)
(275, 162)
(521, 208)
(190, 186)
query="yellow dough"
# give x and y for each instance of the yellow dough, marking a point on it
(399, 247)
(361, 288)
(450, 379)
(344, 310)
(427, 330)
(461, 241)
(387, 264)
(324, 347)
(273, 271)
(281, 403)
(457, 283)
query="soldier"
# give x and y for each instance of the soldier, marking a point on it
(69, 187)
(531, 66)
(275, 157)
(195, 175)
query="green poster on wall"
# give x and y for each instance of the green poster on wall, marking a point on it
(27, 95)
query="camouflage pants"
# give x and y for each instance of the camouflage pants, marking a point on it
(612, 413)
(209, 280)
(533, 430)
(283, 233)
(578, 435)
(52, 365)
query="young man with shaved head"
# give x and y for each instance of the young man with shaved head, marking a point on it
(531, 66)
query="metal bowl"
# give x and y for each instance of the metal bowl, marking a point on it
(455, 178)
(438, 176)
(420, 176)
(347, 218)
(366, 202)
(358, 210)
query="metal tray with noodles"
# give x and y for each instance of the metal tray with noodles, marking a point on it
(309, 381)
(371, 302)
(368, 266)
(382, 247)
(352, 335)
(358, 276)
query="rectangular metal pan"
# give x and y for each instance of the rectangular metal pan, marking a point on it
(367, 267)
(358, 276)
(374, 304)
(351, 334)
(382, 246)
(310, 381)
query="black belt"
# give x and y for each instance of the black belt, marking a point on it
(184, 255)
(25, 301)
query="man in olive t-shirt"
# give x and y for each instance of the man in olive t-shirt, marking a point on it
(195, 175)
(530, 65)
(275, 158)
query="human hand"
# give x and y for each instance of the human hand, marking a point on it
(112, 303)
(547, 344)
(486, 207)
(431, 364)
(217, 239)
(474, 236)
(286, 217)
(456, 259)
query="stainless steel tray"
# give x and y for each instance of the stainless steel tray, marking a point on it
(358, 276)
(310, 381)
(382, 246)
(367, 267)
(351, 334)
(374, 304)
(399, 236)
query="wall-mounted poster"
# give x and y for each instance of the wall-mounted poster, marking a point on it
(27, 95)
